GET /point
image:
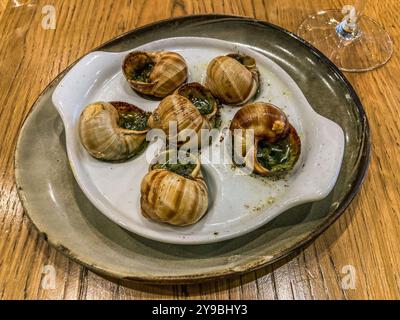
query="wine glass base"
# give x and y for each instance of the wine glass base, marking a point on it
(370, 49)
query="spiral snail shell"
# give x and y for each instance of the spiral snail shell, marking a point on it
(174, 191)
(192, 107)
(156, 73)
(113, 131)
(275, 147)
(234, 78)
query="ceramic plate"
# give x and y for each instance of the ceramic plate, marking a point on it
(239, 203)
(61, 211)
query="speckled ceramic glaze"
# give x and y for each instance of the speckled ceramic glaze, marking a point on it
(59, 209)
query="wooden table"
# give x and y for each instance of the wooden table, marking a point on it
(366, 237)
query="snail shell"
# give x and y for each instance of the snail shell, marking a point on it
(172, 198)
(103, 137)
(180, 108)
(271, 126)
(234, 78)
(156, 74)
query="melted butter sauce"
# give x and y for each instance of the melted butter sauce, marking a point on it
(142, 74)
(203, 105)
(133, 121)
(183, 169)
(275, 157)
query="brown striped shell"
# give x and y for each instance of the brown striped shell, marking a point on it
(102, 136)
(174, 199)
(268, 123)
(234, 78)
(180, 109)
(164, 72)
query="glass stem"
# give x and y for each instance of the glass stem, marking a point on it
(348, 29)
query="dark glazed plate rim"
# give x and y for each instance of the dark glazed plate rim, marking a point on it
(364, 163)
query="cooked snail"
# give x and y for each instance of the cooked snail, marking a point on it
(156, 73)
(174, 191)
(192, 106)
(113, 131)
(234, 78)
(276, 146)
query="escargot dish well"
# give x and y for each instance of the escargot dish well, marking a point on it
(264, 136)
(155, 74)
(233, 78)
(191, 107)
(113, 131)
(174, 191)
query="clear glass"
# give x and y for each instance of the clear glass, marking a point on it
(354, 42)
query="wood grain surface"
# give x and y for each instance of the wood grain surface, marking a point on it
(365, 240)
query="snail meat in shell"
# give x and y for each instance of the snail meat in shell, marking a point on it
(276, 145)
(183, 169)
(156, 73)
(174, 191)
(192, 106)
(234, 78)
(113, 131)
(200, 97)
